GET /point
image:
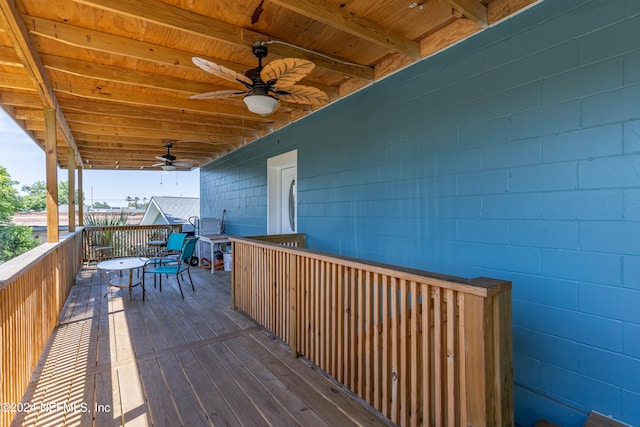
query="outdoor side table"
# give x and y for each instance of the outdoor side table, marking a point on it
(123, 264)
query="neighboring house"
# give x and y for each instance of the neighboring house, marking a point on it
(172, 211)
(514, 154)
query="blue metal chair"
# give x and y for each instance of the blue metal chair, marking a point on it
(169, 254)
(178, 268)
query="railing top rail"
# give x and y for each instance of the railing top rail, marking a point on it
(481, 286)
(130, 226)
(15, 267)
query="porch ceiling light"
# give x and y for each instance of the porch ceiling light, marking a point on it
(168, 168)
(261, 104)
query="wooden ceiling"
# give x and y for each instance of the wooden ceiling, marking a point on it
(118, 74)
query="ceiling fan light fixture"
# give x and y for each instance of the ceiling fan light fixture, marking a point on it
(261, 104)
(168, 167)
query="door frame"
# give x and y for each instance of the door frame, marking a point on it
(274, 192)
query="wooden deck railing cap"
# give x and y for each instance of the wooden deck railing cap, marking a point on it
(480, 286)
(15, 267)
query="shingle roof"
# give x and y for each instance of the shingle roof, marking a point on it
(177, 210)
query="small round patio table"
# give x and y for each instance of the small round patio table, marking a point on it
(123, 264)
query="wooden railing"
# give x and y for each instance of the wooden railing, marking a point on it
(423, 349)
(105, 242)
(33, 290)
(293, 240)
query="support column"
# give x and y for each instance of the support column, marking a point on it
(80, 199)
(51, 165)
(71, 190)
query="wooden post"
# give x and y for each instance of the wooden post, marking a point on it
(80, 199)
(71, 190)
(236, 268)
(293, 304)
(51, 167)
(489, 356)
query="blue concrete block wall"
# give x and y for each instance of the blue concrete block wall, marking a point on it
(516, 155)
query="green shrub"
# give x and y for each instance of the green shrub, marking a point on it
(104, 220)
(15, 240)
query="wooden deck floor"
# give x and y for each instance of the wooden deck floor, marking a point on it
(172, 362)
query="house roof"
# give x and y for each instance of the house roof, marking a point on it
(175, 210)
(117, 75)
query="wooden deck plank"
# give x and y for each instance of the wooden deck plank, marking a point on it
(158, 394)
(208, 394)
(236, 399)
(132, 396)
(169, 361)
(338, 396)
(293, 378)
(108, 411)
(298, 408)
(185, 398)
(273, 412)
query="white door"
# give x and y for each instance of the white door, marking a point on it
(282, 183)
(288, 200)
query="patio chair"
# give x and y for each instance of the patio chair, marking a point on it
(174, 245)
(169, 254)
(158, 239)
(178, 268)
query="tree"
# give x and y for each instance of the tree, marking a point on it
(9, 199)
(134, 202)
(14, 239)
(35, 198)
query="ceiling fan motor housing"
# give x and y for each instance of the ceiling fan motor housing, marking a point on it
(260, 50)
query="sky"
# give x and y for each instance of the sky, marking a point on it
(25, 161)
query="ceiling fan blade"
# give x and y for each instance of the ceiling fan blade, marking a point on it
(221, 71)
(287, 71)
(158, 164)
(218, 94)
(184, 163)
(303, 95)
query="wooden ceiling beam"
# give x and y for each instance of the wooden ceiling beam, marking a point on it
(359, 72)
(17, 81)
(72, 35)
(140, 123)
(106, 91)
(144, 142)
(18, 98)
(25, 48)
(160, 134)
(184, 20)
(129, 76)
(73, 67)
(152, 151)
(147, 158)
(339, 18)
(106, 108)
(9, 57)
(471, 9)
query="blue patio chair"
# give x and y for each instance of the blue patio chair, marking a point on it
(178, 268)
(170, 253)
